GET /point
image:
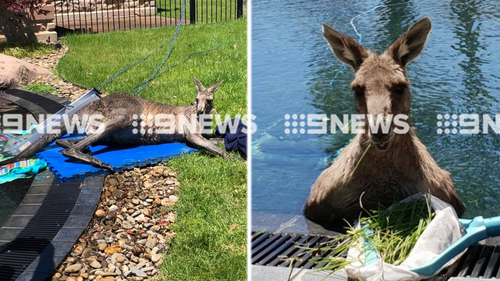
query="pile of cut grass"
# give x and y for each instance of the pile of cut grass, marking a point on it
(390, 232)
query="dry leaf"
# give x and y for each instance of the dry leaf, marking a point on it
(112, 250)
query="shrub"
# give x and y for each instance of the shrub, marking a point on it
(19, 6)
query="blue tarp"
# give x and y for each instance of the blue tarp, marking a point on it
(119, 157)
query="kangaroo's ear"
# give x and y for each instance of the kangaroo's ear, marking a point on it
(409, 46)
(345, 48)
(198, 84)
(215, 87)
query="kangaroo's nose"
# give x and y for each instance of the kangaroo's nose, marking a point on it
(380, 136)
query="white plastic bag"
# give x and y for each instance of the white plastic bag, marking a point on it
(444, 230)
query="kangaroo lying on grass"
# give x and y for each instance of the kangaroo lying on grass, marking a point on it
(399, 165)
(118, 112)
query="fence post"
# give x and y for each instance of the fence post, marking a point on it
(239, 8)
(192, 11)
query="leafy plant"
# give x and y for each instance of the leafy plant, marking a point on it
(19, 6)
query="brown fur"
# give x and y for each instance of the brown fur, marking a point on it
(388, 173)
(117, 111)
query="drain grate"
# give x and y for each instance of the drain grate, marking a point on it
(480, 261)
(270, 249)
(281, 249)
(39, 232)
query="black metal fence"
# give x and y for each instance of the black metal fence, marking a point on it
(107, 15)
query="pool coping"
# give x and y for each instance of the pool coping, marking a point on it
(14, 96)
(39, 262)
(267, 273)
(29, 206)
(86, 204)
(287, 223)
(59, 247)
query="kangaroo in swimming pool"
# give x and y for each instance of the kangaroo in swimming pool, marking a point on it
(118, 112)
(396, 165)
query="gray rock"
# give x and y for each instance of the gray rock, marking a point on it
(131, 220)
(127, 225)
(146, 269)
(113, 257)
(137, 271)
(140, 218)
(121, 258)
(95, 264)
(151, 243)
(155, 257)
(102, 246)
(15, 72)
(73, 268)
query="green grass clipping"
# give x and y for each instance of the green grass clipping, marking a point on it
(391, 232)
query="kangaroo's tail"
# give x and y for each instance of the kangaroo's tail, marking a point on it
(37, 146)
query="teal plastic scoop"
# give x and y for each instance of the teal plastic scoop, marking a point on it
(476, 230)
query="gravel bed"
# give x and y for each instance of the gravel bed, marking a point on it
(130, 230)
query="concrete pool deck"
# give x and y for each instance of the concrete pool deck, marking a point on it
(265, 273)
(287, 223)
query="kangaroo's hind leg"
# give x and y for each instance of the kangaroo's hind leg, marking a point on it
(75, 151)
(68, 143)
(199, 141)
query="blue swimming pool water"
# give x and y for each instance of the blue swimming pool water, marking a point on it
(293, 71)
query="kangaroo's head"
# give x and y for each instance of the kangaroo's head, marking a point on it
(205, 98)
(380, 86)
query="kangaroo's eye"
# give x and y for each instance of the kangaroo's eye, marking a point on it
(358, 91)
(399, 89)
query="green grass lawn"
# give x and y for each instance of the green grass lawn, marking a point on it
(92, 58)
(211, 232)
(211, 227)
(208, 11)
(25, 50)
